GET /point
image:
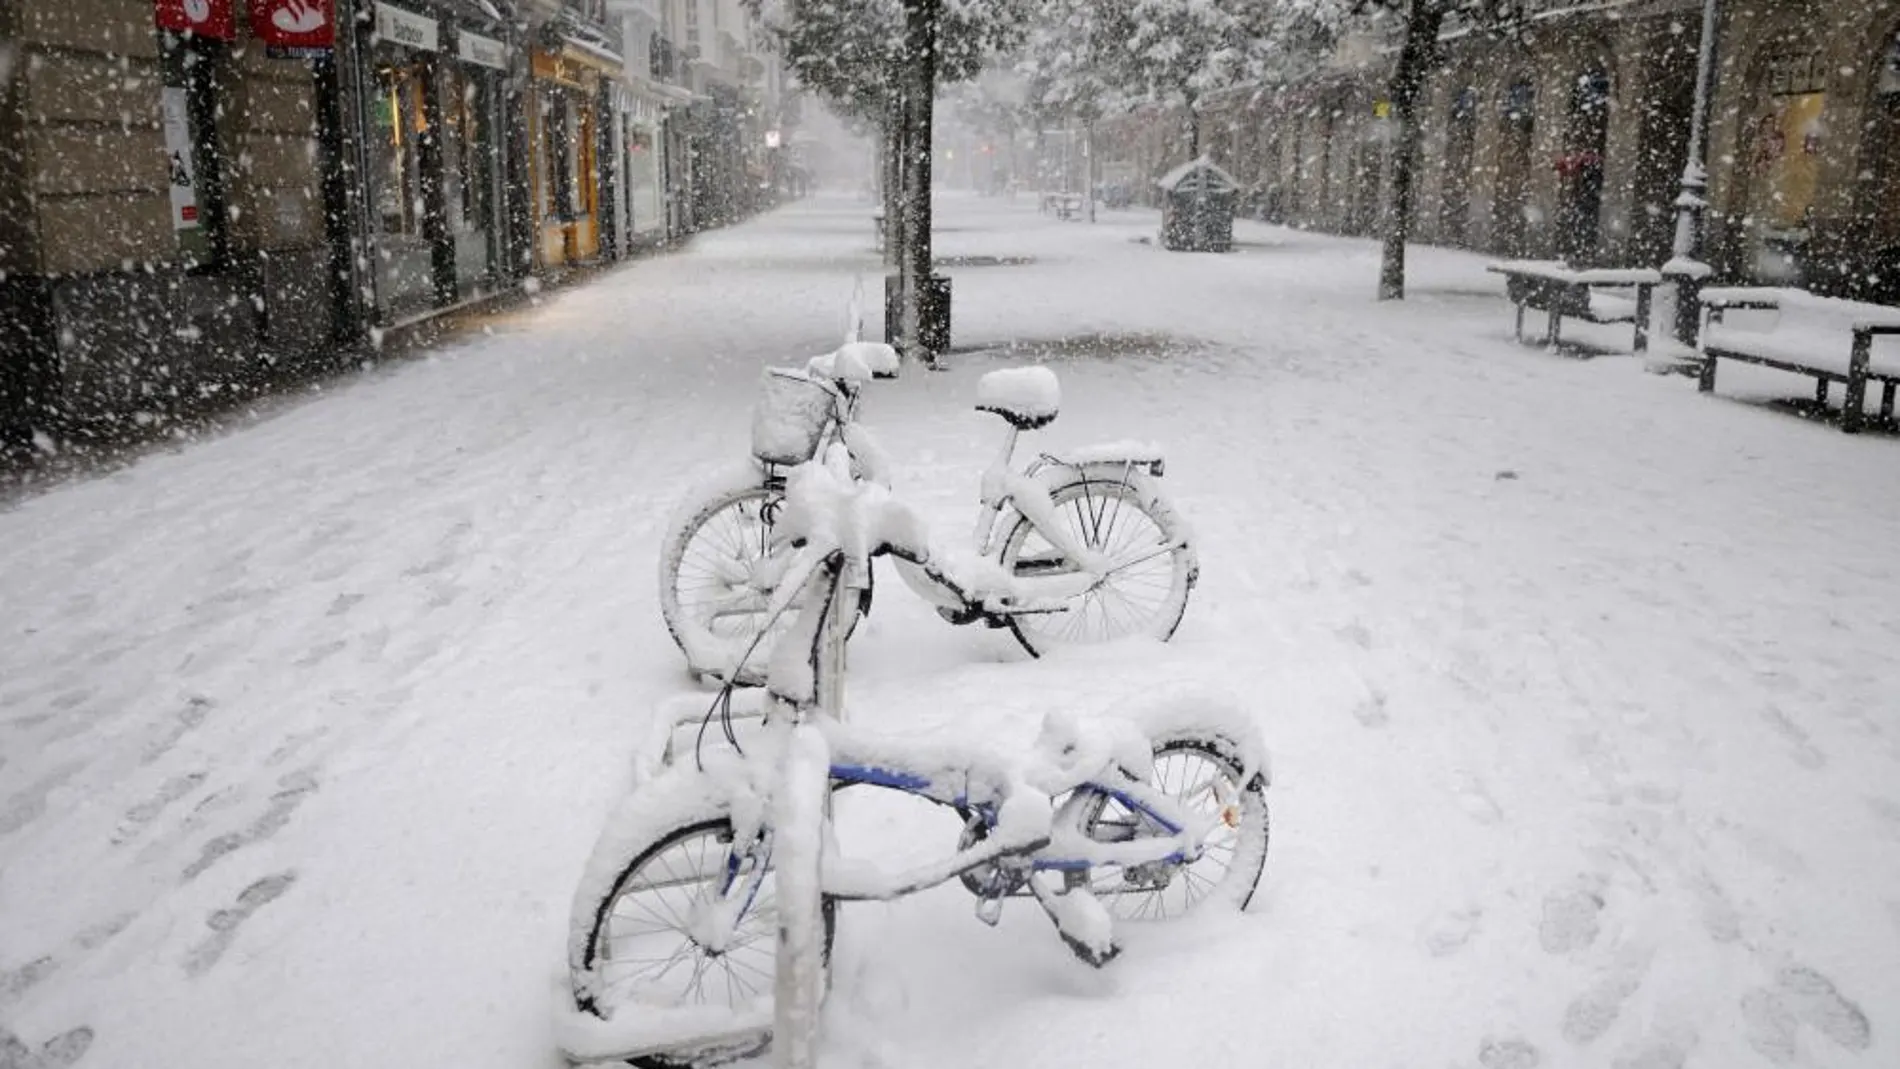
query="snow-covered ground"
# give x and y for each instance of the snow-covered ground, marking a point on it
(1583, 690)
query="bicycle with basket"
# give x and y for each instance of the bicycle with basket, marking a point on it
(702, 926)
(1109, 554)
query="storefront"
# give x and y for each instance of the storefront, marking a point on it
(1781, 155)
(565, 125)
(638, 217)
(433, 172)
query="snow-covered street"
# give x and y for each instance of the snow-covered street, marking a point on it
(1582, 689)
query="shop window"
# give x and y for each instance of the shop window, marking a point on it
(466, 192)
(192, 75)
(1785, 137)
(399, 123)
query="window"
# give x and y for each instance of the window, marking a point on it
(1795, 72)
(193, 69)
(465, 185)
(1785, 135)
(397, 112)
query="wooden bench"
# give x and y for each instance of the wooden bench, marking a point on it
(1827, 338)
(1555, 288)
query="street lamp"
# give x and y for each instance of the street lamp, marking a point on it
(1685, 272)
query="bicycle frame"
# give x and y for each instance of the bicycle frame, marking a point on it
(979, 786)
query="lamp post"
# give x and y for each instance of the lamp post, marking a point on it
(1685, 272)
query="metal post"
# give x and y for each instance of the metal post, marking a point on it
(1685, 272)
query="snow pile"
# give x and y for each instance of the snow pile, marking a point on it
(1030, 393)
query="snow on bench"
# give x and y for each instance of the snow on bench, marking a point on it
(1828, 338)
(1560, 290)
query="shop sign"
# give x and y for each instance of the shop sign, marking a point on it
(557, 69)
(401, 27)
(184, 171)
(205, 18)
(299, 28)
(484, 51)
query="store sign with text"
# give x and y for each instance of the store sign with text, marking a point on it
(205, 18)
(397, 26)
(305, 28)
(482, 51)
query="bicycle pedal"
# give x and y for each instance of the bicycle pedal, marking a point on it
(989, 910)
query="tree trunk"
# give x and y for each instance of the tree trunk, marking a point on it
(1194, 130)
(894, 120)
(1088, 154)
(920, 47)
(1422, 23)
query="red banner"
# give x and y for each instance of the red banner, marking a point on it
(206, 18)
(294, 24)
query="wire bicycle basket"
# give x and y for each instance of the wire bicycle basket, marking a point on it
(789, 418)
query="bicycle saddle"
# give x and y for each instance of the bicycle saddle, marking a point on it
(1028, 397)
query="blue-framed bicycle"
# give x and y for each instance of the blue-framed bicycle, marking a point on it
(702, 926)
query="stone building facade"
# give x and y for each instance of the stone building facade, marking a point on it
(1566, 137)
(203, 199)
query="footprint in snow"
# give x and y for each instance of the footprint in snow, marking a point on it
(1669, 1050)
(142, 814)
(1773, 1015)
(1592, 1013)
(1512, 1053)
(57, 1053)
(1447, 933)
(13, 982)
(297, 788)
(185, 720)
(1371, 711)
(224, 923)
(1571, 916)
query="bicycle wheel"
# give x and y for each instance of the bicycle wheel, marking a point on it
(1203, 774)
(1121, 520)
(716, 575)
(641, 954)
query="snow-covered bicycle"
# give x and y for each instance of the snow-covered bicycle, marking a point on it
(1094, 523)
(703, 923)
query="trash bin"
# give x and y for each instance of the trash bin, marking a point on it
(1197, 207)
(935, 329)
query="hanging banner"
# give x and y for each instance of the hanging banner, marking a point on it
(184, 171)
(205, 18)
(483, 51)
(304, 28)
(407, 28)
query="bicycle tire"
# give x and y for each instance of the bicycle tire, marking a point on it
(712, 652)
(1076, 502)
(1244, 861)
(591, 954)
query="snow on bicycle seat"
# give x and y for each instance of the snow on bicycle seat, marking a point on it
(1028, 397)
(880, 358)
